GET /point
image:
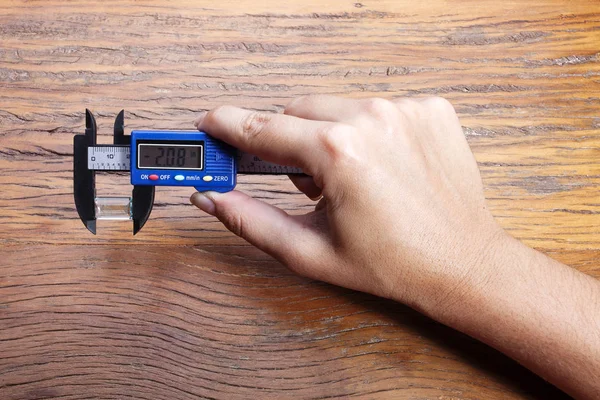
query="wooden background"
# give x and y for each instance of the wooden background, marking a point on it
(185, 309)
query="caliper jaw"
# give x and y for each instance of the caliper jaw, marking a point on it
(84, 179)
(142, 200)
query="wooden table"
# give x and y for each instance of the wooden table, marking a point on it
(185, 309)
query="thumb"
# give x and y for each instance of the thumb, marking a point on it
(287, 238)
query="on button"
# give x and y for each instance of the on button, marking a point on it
(153, 177)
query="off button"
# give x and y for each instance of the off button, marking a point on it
(179, 177)
(153, 177)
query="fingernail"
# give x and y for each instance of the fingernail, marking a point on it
(199, 119)
(203, 202)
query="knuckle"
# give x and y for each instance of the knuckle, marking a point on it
(379, 108)
(253, 125)
(338, 140)
(439, 104)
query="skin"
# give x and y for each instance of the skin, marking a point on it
(403, 216)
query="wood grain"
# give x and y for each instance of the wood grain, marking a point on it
(185, 309)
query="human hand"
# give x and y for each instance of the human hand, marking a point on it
(403, 214)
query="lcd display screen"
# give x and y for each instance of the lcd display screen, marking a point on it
(170, 156)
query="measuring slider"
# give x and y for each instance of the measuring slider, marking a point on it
(154, 158)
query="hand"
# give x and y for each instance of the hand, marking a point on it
(403, 214)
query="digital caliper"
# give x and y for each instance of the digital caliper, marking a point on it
(154, 158)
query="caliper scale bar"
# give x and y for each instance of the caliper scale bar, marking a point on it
(117, 158)
(109, 158)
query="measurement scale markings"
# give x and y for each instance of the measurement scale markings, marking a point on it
(117, 158)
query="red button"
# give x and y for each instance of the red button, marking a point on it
(153, 177)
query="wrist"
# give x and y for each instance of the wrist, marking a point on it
(465, 275)
(531, 308)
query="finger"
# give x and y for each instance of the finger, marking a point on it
(267, 227)
(368, 114)
(282, 139)
(306, 185)
(324, 108)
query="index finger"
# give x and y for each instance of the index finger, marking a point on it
(278, 138)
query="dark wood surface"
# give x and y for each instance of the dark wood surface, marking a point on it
(185, 309)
